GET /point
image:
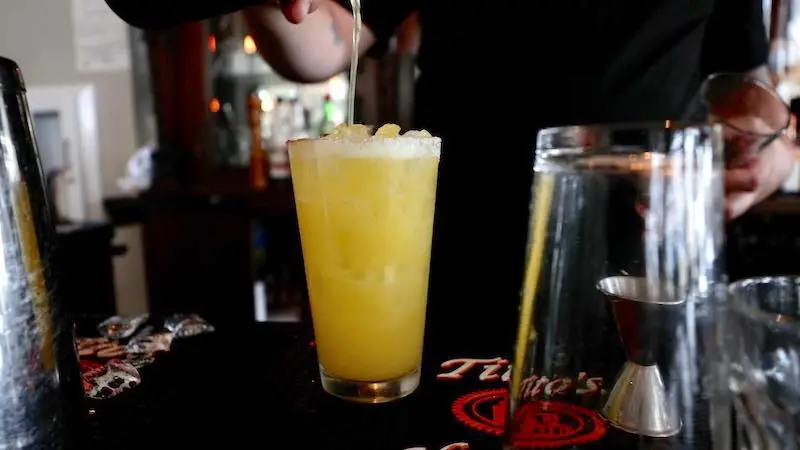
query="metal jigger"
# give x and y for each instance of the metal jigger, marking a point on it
(638, 403)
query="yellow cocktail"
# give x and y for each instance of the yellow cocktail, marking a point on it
(365, 207)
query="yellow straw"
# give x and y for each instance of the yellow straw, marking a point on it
(541, 213)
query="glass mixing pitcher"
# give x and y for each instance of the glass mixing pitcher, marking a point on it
(618, 338)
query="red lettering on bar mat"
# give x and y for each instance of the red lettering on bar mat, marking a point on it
(540, 424)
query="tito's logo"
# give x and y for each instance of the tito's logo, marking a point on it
(538, 424)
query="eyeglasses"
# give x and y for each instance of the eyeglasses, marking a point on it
(749, 109)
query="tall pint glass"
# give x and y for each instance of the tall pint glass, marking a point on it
(618, 342)
(365, 209)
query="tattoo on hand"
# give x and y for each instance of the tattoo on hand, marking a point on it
(337, 39)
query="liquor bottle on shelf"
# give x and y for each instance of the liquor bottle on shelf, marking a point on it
(328, 121)
(299, 115)
(259, 170)
(263, 282)
(282, 131)
(258, 158)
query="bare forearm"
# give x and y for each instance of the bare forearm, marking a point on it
(311, 51)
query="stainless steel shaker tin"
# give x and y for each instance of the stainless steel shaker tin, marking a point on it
(40, 390)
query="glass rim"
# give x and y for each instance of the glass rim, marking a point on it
(744, 78)
(781, 321)
(592, 139)
(630, 126)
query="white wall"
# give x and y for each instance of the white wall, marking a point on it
(37, 34)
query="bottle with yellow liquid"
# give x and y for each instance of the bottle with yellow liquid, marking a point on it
(365, 209)
(258, 158)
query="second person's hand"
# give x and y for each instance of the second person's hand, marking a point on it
(753, 178)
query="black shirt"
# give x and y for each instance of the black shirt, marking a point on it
(490, 77)
(494, 73)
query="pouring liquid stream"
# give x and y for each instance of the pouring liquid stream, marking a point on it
(351, 90)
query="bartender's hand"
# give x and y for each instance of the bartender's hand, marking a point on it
(752, 176)
(301, 45)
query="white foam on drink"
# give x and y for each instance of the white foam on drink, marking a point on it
(400, 147)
